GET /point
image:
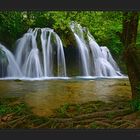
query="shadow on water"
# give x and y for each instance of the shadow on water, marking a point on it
(45, 96)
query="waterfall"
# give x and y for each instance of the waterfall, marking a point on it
(8, 64)
(39, 53)
(83, 50)
(107, 55)
(36, 60)
(96, 60)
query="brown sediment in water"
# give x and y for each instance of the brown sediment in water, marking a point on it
(44, 102)
(45, 96)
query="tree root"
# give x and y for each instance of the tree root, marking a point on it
(44, 124)
(91, 121)
(104, 124)
(124, 125)
(102, 114)
(61, 120)
(18, 119)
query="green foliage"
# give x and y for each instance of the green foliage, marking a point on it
(12, 26)
(62, 111)
(106, 27)
(94, 126)
(6, 107)
(135, 104)
(78, 108)
(110, 115)
(138, 36)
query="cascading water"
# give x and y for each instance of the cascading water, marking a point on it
(83, 50)
(107, 55)
(39, 54)
(8, 65)
(35, 63)
(95, 60)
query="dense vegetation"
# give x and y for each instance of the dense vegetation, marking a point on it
(104, 26)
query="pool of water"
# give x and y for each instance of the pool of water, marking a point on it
(46, 95)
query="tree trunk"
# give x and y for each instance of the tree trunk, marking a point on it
(131, 53)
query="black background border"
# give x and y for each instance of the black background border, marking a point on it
(70, 5)
(65, 134)
(80, 5)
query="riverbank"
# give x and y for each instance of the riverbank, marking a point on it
(15, 113)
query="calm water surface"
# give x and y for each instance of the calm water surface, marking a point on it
(44, 96)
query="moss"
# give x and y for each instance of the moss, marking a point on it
(110, 115)
(67, 37)
(62, 111)
(7, 106)
(23, 116)
(95, 126)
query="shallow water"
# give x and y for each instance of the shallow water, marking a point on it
(46, 95)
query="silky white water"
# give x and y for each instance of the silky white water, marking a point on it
(37, 60)
(8, 65)
(39, 54)
(96, 60)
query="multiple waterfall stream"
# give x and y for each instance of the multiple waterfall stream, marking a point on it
(39, 53)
